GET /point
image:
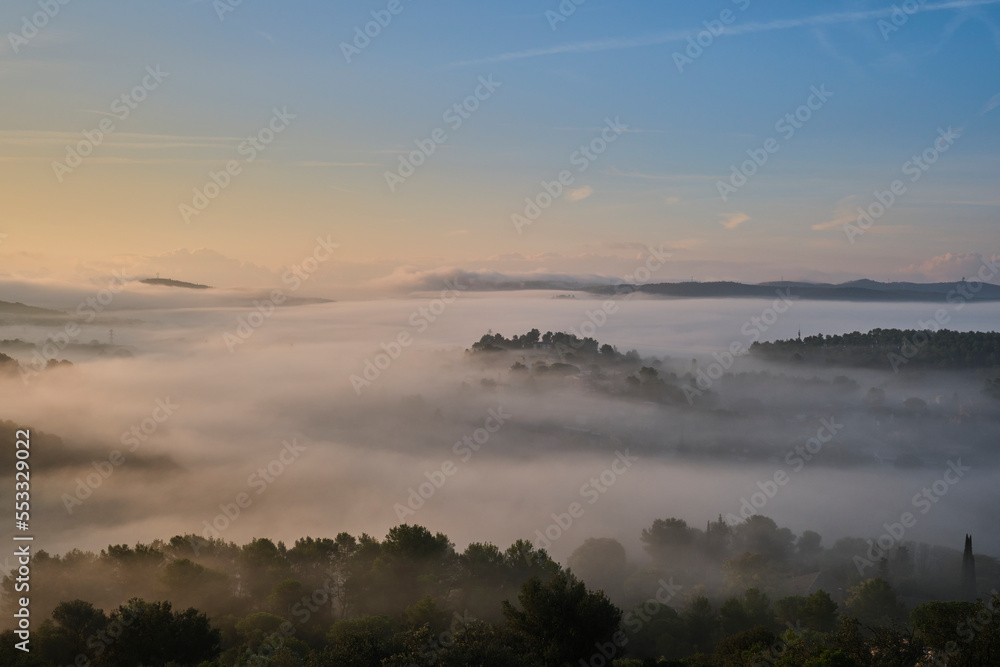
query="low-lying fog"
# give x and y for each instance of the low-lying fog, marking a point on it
(290, 380)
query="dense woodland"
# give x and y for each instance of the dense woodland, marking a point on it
(880, 349)
(567, 343)
(925, 349)
(534, 358)
(892, 349)
(743, 594)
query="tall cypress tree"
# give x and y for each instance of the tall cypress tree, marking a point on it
(968, 572)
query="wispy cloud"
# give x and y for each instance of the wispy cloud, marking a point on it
(121, 139)
(123, 143)
(118, 160)
(845, 213)
(733, 220)
(614, 171)
(627, 130)
(946, 267)
(640, 248)
(963, 202)
(48, 36)
(618, 43)
(320, 163)
(580, 193)
(991, 105)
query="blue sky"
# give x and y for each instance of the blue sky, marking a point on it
(658, 184)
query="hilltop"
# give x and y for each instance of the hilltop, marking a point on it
(167, 282)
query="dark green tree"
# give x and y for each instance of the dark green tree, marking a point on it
(600, 562)
(65, 637)
(562, 622)
(701, 623)
(359, 643)
(152, 635)
(873, 602)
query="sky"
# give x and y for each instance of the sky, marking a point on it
(651, 112)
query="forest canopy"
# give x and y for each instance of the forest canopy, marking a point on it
(736, 593)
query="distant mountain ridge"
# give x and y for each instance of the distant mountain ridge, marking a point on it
(855, 290)
(18, 308)
(167, 282)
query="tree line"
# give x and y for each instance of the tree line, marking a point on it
(895, 349)
(736, 593)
